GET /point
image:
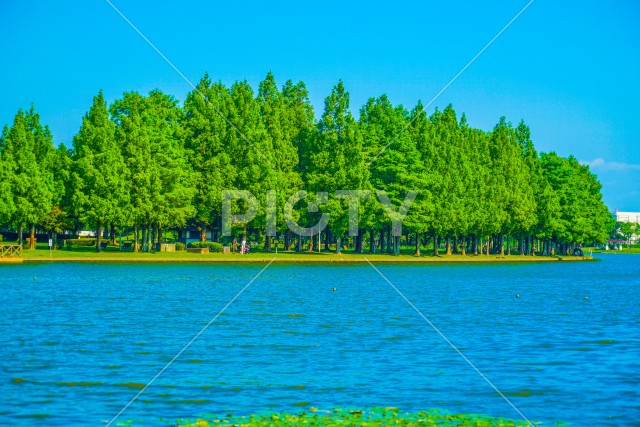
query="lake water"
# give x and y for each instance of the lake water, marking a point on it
(79, 341)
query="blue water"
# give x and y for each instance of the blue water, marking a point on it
(79, 340)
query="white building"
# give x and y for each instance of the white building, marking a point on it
(628, 217)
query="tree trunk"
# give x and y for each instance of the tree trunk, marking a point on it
(299, 244)
(98, 236)
(359, 240)
(435, 244)
(389, 242)
(508, 245)
(455, 245)
(287, 239)
(143, 238)
(32, 235)
(112, 231)
(203, 233)
(417, 252)
(159, 235)
(464, 249)
(20, 241)
(532, 246)
(448, 243)
(338, 245)
(327, 236)
(136, 242)
(488, 244)
(372, 241)
(149, 244)
(311, 243)
(267, 243)
(475, 244)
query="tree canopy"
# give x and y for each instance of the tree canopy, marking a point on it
(148, 163)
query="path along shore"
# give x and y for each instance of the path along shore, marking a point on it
(282, 257)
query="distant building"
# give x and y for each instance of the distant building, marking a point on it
(630, 217)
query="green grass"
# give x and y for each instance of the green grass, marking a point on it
(344, 418)
(113, 254)
(625, 250)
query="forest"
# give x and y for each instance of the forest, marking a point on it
(146, 164)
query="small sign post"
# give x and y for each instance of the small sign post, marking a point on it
(50, 247)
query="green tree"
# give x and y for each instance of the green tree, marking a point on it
(100, 191)
(207, 137)
(627, 230)
(251, 149)
(582, 215)
(300, 129)
(25, 153)
(59, 218)
(158, 174)
(172, 188)
(337, 159)
(133, 139)
(286, 122)
(520, 206)
(398, 168)
(7, 207)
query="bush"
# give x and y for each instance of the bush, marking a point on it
(179, 246)
(81, 242)
(1, 237)
(213, 246)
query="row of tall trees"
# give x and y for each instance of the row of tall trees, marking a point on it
(147, 163)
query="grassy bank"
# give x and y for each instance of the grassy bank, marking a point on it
(375, 417)
(114, 255)
(623, 251)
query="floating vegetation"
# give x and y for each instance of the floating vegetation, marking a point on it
(80, 383)
(132, 385)
(370, 418)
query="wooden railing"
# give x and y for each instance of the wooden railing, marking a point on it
(10, 251)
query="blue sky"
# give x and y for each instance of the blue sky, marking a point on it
(569, 69)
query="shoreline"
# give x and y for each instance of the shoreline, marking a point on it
(38, 256)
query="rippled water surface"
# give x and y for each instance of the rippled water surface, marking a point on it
(79, 341)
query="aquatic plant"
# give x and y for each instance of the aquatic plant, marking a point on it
(361, 418)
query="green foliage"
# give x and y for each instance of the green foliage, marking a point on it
(80, 242)
(337, 158)
(180, 246)
(213, 246)
(150, 137)
(26, 191)
(627, 229)
(99, 186)
(582, 216)
(150, 163)
(374, 418)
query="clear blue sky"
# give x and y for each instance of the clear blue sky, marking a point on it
(570, 69)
